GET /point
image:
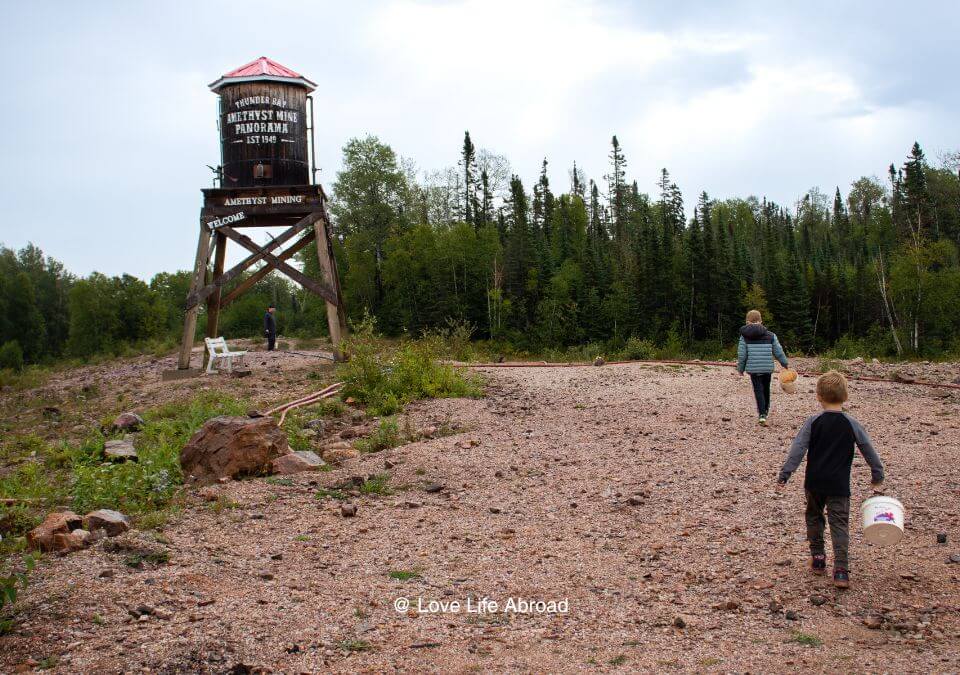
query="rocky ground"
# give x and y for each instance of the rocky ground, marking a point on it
(641, 495)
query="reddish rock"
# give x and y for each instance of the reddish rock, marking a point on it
(43, 536)
(112, 522)
(127, 421)
(232, 447)
(297, 461)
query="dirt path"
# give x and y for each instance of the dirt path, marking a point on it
(539, 507)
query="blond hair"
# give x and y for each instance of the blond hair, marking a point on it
(832, 387)
(753, 316)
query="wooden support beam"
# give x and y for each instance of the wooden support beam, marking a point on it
(202, 292)
(213, 302)
(336, 317)
(250, 281)
(311, 285)
(190, 318)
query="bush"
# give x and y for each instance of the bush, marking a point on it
(639, 350)
(385, 378)
(11, 356)
(387, 435)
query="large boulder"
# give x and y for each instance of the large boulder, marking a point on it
(297, 461)
(44, 536)
(112, 522)
(232, 447)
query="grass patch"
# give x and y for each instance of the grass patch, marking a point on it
(618, 660)
(404, 575)
(283, 482)
(301, 537)
(49, 475)
(138, 559)
(325, 493)
(710, 661)
(386, 377)
(354, 645)
(376, 485)
(825, 365)
(806, 639)
(386, 435)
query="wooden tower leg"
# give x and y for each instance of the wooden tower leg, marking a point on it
(190, 318)
(213, 302)
(336, 317)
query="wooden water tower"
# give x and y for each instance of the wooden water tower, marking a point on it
(266, 180)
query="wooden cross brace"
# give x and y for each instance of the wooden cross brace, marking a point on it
(273, 262)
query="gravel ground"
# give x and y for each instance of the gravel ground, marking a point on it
(641, 495)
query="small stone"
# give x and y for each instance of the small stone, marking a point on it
(873, 621)
(387, 464)
(317, 425)
(112, 522)
(791, 615)
(335, 455)
(942, 538)
(774, 607)
(498, 474)
(128, 421)
(636, 501)
(679, 622)
(106, 574)
(816, 599)
(348, 510)
(350, 432)
(296, 462)
(412, 504)
(955, 558)
(731, 605)
(433, 488)
(494, 509)
(120, 450)
(783, 562)
(266, 576)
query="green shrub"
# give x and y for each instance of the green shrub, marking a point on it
(387, 435)
(639, 350)
(15, 580)
(11, 356)
(385, 378)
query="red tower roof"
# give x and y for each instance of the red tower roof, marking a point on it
(262, 69)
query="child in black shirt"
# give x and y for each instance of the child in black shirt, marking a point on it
(828, 439)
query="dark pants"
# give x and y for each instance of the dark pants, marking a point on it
(271, 342)
(761, 391)
(838, 514)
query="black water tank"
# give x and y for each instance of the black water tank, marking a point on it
(263, 125)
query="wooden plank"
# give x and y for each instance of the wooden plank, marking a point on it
(336, 317)
(310, 284)
(250, 281)
(190, 317)
(213, 302)
(201, 293)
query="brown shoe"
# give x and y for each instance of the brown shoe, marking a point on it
(841, 578)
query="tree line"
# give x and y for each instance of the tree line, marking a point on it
(874, 271)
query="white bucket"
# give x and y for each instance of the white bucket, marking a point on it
(882, 520)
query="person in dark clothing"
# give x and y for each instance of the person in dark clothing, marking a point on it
(270, 328)
(828, 439)
(756, 350)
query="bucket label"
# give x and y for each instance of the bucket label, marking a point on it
(886, 517)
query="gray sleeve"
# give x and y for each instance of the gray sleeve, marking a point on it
(867, 450)
(797, 450)
(741, 355)
(779, 353)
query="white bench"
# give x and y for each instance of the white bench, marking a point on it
(217, 347)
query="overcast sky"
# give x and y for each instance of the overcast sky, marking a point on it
(107, 122)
